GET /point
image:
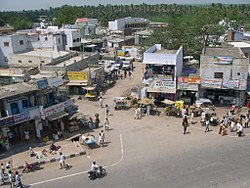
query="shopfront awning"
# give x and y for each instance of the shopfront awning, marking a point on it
(161, 90)
(77, 83)
(57, 116)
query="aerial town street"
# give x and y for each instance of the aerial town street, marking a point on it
(152, 152)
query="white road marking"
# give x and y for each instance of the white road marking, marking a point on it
(82, 172)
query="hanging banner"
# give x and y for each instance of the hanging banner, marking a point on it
(222, 60)
(188, 86)
(230, 84)
(82, 76)
(211, 83)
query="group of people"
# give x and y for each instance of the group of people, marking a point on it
(140, 110)
(13, 178)
(235, 124)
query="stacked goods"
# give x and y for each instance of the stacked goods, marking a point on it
(179, 105)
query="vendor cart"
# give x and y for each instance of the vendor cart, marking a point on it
(120, 103)
(87, 139)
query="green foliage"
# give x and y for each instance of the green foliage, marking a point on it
(67, 15)
(20, 22)
(2, 23)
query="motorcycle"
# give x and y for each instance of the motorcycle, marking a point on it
(98, 173)
(31, 167)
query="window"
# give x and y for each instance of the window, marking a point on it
(238, 74)
(218, 75)
(74, 40)
(38, 38)
(25, 103)
(78, 39)
(21, 42)
(42, 61)
(6, 44)
(5, 59)
(14, 108)
(46, 38)
(59, 41)
(30, 61)
(19, 61)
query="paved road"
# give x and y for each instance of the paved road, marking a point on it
(152, 152)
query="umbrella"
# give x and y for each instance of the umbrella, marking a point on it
(146, 101)
(166, 101)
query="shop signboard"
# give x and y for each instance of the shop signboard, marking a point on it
(230, 84)
(163, 84)
(188, 86)
(42, 83)
(21, 117)
(222, 60)
(81, 76)
(196, 80)
(211, 83)
(53, 109)
(55, 82)
(7, 121)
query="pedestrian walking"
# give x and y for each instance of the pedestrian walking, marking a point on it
(148, 110)
(62, 160)
(125, 74)
(3, 169)
(139, 112)
(101, 140)
(232, 126)
(192, 117)
(107, 110)
(18, 182)
(185, 125)
(246, 121)
(103, 135)
(9, 175)
(136, 114)
(91, 123)
(207, 124)
(106, 124)
(101, 102)
(1, 177)
(239, 128)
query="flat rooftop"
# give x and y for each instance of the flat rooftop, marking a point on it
(226, 52)
(240, 44)
(166, 51)
(45, 53)
(16, 89)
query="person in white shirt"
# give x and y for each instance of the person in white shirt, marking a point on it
(62, 161)
(94, 168)
(203, 116)
(207, 125)
(232, 127)
(239, 129)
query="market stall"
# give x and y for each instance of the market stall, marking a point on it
(120, 103)
(91, 93)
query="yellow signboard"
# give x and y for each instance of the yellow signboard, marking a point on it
(82, 76)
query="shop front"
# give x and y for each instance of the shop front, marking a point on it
(223, 91)
(188, 89)
(161, 90)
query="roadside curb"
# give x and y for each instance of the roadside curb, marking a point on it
(73, 155)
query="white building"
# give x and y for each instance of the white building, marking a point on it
(128, 22)
(15, 43)
(162, 68)
(73, 39)
(223, 72)
(88, 26)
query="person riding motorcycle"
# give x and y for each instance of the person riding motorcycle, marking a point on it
(94, 168)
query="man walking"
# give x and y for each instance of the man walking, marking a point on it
(107, 110)
(62, 161)
(207, 125)
(185, 125)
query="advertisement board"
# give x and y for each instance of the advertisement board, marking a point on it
(21, 117)
(163, 84)
(222, 60)
(82, 76)
(188, 86)
(53, 109)
(230, 84)
(189, 80)
(211, 83)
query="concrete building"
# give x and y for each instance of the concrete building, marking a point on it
(73, 37)
(34, 107)
(88, 26)
(15, 43)
(6, 30)
(162, 69)
(128, 22)
(224, 73)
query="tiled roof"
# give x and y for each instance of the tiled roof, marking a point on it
(82, 20)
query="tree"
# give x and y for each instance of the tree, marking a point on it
(67, 15)
(2, 23)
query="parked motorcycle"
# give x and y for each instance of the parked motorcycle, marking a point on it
(98, 173)
(31, 167)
